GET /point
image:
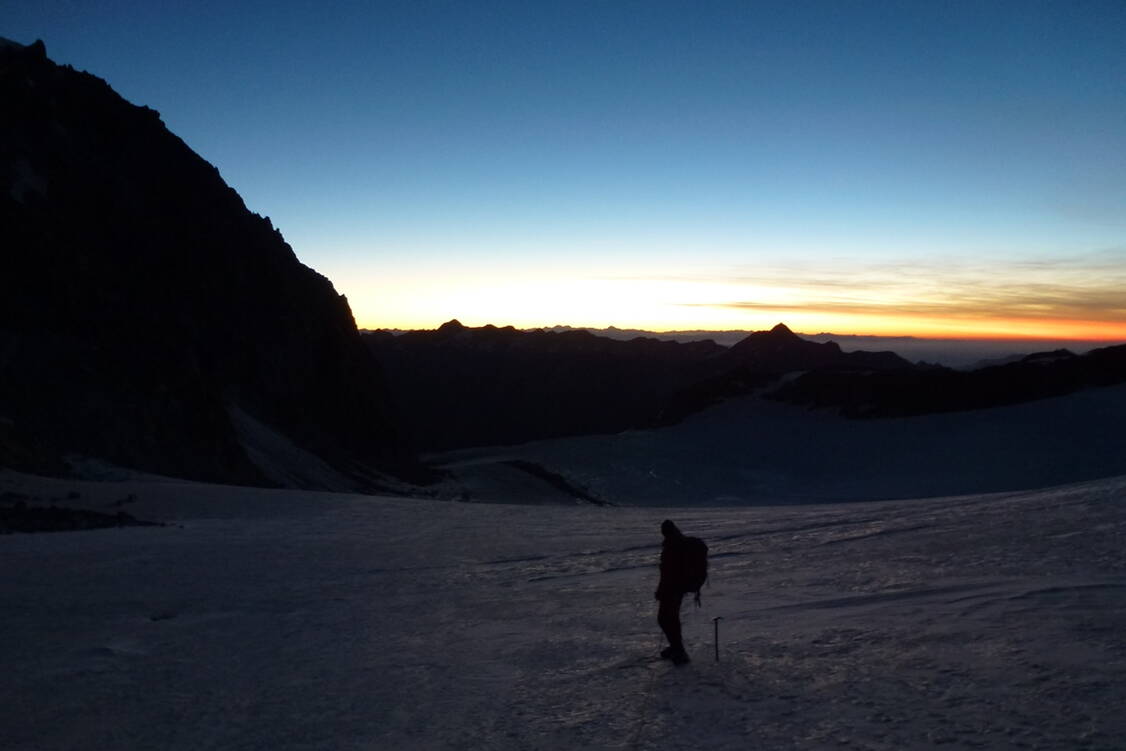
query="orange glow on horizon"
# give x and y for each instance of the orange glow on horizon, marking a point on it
(997, 329)
(966, 306)
(956, 327)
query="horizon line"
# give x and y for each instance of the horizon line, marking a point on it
(967, 337)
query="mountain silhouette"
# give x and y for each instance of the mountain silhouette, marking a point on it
(149, 319)
(759, 360)
(929, 390)
(461, 386)
(781, 350)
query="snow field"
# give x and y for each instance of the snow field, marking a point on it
(282, 619)
(751, 451)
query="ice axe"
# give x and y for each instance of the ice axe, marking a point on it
(716, 621)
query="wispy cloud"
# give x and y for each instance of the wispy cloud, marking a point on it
(1090, 287)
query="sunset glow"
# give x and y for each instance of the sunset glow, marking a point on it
(1076, 300)
(921, 169)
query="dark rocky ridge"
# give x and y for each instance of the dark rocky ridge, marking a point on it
(781, 350)
(920, 391)
(463, 387)
(761, 359)
(479, 386)
(142, 305)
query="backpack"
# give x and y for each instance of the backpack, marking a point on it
(695, 565)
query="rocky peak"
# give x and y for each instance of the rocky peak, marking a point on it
(36, 49)
(142, 305)
(780, 350)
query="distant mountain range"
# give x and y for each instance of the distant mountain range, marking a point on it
(461, 387)
(148, 319)
(952, 352)
(920, 390)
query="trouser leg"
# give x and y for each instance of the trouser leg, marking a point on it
(668, 617)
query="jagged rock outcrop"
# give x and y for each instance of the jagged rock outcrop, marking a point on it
(142, 305)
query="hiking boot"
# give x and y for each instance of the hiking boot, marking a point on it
(679, 657)
(666, 653)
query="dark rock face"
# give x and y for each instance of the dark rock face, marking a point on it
(460, 386)
(898, 393)
(478, 386)
(141, 301)
(760, 360)
(782, 351)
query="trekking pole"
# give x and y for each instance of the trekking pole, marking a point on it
(716, 621)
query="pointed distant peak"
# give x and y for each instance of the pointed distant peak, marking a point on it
(778, 337)
(780, 332)
(451, 325)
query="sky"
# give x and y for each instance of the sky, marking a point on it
(906, 168)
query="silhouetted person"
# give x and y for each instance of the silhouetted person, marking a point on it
(676, 575)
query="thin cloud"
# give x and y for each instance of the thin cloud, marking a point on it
(993, 307)
(1088, 287)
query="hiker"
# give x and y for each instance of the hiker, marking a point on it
(683, 570)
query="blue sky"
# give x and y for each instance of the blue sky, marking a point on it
(880, 167)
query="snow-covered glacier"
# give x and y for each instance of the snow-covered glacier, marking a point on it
(294, 620)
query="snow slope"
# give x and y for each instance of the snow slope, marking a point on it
(292, 620)
(753, 451)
